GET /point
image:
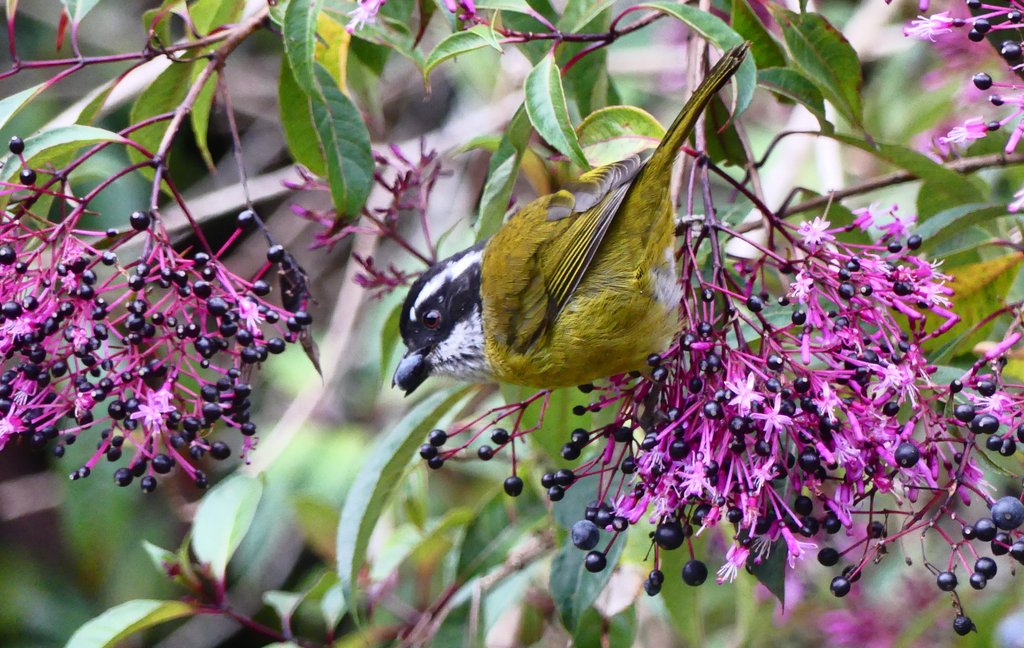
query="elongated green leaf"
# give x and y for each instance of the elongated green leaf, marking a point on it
(378, 479)
(200, 115)
(504, 167)
(460, 43)
(9, 106)
(208, 14)
(771, 571)
(952, 221)
(55, 144)
(300, 21)
(345, 143)
(572, 587)
(120, 622)
(713, 29)
(162, 558)
(283, 603)
(162, 96)
(389, 337)
(95, 105)
(791, 84)
(497, 527)
(332, 606)
(77, 9)
(223, 519)
(617, 132)
(297, 122)
(546, 107)
(579, 13)
(765, 49)
(825, 57)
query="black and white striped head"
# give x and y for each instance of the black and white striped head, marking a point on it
(442, 324)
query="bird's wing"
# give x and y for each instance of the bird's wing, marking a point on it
(577, 219)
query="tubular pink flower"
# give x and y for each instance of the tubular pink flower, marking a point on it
(971, 130)
(928, 28)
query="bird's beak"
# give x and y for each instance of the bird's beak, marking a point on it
(412, 371)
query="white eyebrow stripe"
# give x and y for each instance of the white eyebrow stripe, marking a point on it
(438, 281)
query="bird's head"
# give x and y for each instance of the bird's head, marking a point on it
(442, 323)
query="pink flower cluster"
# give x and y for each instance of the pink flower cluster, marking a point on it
(145, 341)
(811, 423)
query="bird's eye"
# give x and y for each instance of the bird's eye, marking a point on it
(432, 319)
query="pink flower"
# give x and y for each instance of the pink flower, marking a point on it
(152, 411)
(772, 419)
(735, 560)
(928, 28)
(746, 395)
(971, 130)
(815, 233)
(365, 13)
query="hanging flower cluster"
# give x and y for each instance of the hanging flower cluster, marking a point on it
(125, 334)
(808, 422)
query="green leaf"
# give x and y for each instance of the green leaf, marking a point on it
(9, 106)
(460, 43)
(978, 286)
(164, 95)
(283, 603)
(548, 112)
(951, 222)
(771, 571)
(208, 14)
(617, 132)
(379, 477)
(55, 144)
(332, 606)
(501, 177)
(200, 114)
(318, 523)
(389, 338)
(122, 621)
(579, 13)
(572, 587)
(300, 20)
(766, 50)
(162, 558)
(497, 527)
(594, 630)
(947, 184)
(77, 9)
(223, 519)
(825, 57)
(715, 30)
(518, 6)
(345, 143)
(793, 85)
(297, 122)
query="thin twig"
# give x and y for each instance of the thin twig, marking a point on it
(962, 166)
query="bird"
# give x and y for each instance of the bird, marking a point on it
(577, 285)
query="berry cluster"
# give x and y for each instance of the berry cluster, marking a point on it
(150, 350)
(808, 423)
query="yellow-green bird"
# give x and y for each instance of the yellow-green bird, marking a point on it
(577, 285)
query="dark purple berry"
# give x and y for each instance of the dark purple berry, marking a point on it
(595, 562)
(585, 535)
(946, 581)
(1007, 513)
(514, 486)
(695, 572)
